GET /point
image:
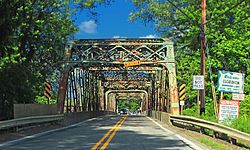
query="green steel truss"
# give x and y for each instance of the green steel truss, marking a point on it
(94, 67)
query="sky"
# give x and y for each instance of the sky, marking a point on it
(112, 21)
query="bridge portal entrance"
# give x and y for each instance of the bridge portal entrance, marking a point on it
(91, 68)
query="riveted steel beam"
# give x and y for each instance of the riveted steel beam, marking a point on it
(104, 62)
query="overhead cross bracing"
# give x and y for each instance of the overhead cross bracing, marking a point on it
(93, 67)
(124, 74)
(121, 50)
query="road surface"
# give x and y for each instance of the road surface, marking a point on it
(108, 132)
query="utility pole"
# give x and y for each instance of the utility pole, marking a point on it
(203, 54)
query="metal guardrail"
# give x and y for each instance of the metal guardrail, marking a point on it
(215, 127)
(29, 120)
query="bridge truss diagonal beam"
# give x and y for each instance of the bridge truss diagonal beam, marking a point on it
(93, 67)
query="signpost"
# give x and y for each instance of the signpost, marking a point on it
(198, 82)
(231, 82)
(182, 96)
(229, 109)
(237, 96)
(48, 90)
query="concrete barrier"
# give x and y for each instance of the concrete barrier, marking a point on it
(66, 119)
(28, 110)
(75, 117)
(161, 116)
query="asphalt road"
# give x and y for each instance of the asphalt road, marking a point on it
(109, 132)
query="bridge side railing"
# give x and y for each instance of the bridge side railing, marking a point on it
(65, 119)
(29, 121)
(217, 129)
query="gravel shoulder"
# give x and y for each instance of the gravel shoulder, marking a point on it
(195, 137)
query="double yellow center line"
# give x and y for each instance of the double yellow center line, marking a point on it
(111, 133)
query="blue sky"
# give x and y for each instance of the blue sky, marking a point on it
(112, 21)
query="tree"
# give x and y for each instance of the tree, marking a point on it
(33, 38)
(132, 104)
(227, 35)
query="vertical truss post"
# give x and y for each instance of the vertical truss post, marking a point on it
(67, 100)
(96, 94)
(105, 100)
(163, 81)
(100, 94)
(149, 99)
(91, 91)
(173, 90)
(70, 91)
(157, 90)
(167, 93)
(85, 78)
(153, 93)
(160, 91)
(88, 91)
(64, 81)
(73, 79)
(81, 80)
(78, 89)
(146, 101)
(62, 91)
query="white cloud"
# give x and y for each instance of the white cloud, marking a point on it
(88, 26)
(118, 37)
(149, 36)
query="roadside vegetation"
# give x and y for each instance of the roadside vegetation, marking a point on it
(132, 104)
(228, 46)
(33, 37)
(213, 144)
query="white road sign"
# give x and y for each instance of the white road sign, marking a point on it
(230, 82)
(229, 109)
(237, 96)
(198, 82)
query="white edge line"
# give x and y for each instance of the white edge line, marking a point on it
(13, 142)
(186, 141)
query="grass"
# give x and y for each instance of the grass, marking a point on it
(213, 144)
(243, 144)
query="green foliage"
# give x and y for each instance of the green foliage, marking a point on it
(32, 41)
(245, 107)
(41, 100)
(241, 123)
(193, 111)
(213, 144)
(122, 104)
(44, 100)
(227, 37)
(17, 86)
(133, 104)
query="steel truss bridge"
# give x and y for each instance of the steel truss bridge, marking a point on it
(98, 71)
